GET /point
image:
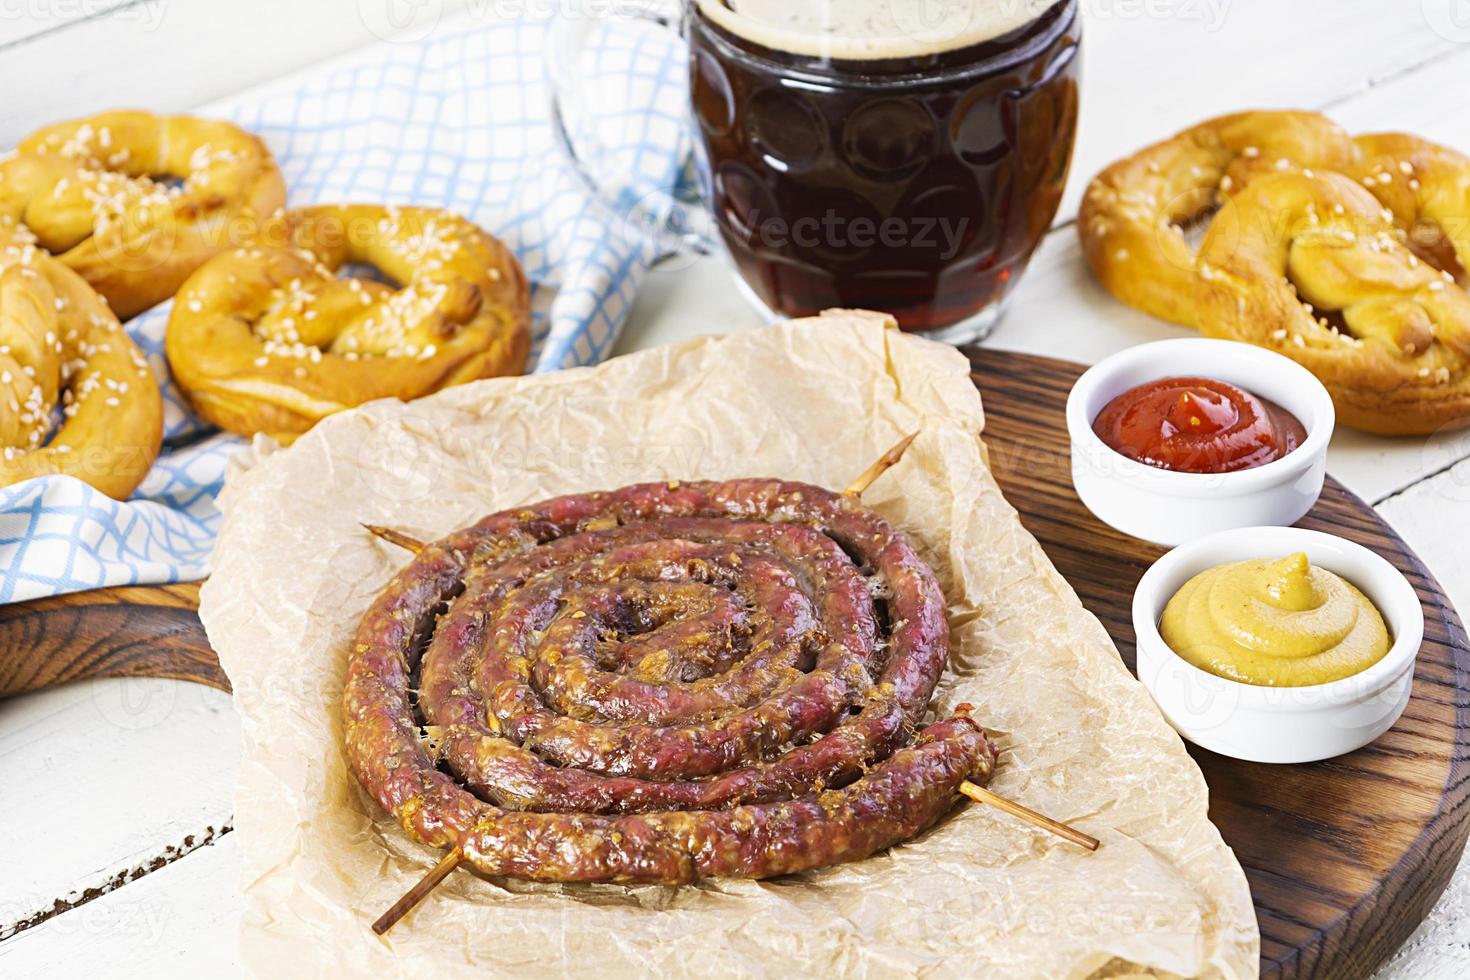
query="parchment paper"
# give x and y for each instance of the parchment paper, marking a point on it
(814, 400)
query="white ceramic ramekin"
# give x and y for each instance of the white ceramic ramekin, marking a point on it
(1170, 508)
(1279, 724)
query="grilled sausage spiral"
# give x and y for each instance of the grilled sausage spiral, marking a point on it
(659, 684)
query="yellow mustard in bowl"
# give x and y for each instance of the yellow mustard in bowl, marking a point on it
(1274, 622)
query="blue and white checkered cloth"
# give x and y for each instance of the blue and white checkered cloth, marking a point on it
(460, 120)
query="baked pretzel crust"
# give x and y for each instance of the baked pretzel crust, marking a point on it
(63, 352)
(135, 202)
(1312, 267)
(267, 338)
(1347, 254)
(1133, 218)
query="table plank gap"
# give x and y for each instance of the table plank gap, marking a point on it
(106, 886)
(181, 921)
(35, 22)
(126, 774)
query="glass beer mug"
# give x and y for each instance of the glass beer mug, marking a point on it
(905, 156)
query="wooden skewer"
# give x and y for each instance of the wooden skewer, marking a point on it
(396, 537)
(975, 792)
(979, 794)
(884, 463)
(982, 795)
(418, 892)
(450, 861)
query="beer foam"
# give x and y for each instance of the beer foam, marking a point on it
(870, 30)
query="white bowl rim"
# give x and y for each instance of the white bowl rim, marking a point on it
(1198, 349)
(1347, 690)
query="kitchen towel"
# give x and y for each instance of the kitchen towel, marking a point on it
(460, 119)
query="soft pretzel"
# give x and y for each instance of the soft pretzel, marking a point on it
(1427, 189)
(1135, 213)
(136, 202)
(268, 339)
(1315, 268)
(63, 353)
(1388, 208)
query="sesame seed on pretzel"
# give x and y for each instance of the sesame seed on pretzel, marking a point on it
(1427, 188)
(1348, 254)
(268, 338)
(1134, 216)
(76, 396)
(1315, 268)
(135, 202)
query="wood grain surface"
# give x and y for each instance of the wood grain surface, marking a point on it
(1344, 857)
(133, 631)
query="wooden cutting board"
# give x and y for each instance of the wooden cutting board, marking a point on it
(1344, 857)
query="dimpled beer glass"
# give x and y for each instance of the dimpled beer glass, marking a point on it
(897, 155)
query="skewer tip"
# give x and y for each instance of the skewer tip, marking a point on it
(885, 462)
(396, 537)
(418, 892)
(982, 795)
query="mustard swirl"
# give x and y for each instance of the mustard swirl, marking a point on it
(1275, 623)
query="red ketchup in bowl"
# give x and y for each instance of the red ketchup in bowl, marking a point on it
(1197, 425)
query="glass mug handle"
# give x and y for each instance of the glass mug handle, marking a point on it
(664, 209)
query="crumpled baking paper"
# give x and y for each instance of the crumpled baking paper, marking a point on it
(814, 400)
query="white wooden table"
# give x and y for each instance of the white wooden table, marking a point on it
(116, 857)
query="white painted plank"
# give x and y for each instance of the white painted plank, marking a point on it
(1434, 518)
(172, 55)
(1153, 67)
(21, 20)
(122, 774)
(181, 921)
(1420, 102)
(684, 298)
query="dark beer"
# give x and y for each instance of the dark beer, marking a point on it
(916, 184)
